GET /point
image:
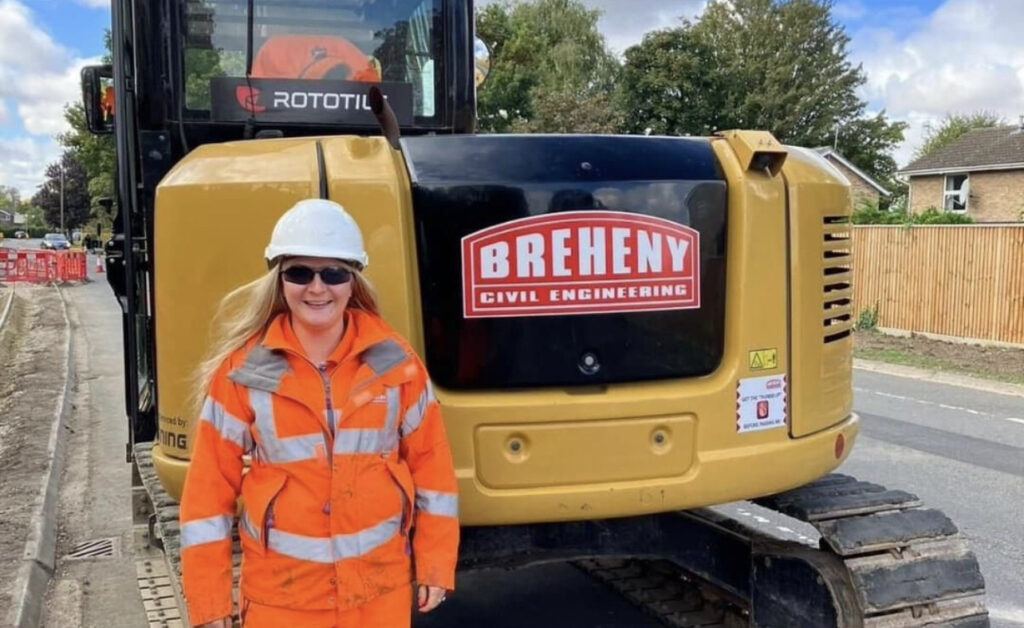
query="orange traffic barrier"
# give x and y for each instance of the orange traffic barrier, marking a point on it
(38, 266)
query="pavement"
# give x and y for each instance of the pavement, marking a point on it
(95, 497)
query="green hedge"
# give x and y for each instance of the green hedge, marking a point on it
(8, 232)
(929, 216)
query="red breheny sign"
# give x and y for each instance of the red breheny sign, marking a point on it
(583, 262)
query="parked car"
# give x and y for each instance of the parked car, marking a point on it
(21, 235)
(55, 241)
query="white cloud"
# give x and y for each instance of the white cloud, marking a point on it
(965, 57)
(23, 161)
(95, 4)
(38, 77)
(23, 45)
(42, 97)
(849, 10)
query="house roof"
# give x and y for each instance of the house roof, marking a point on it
(994, 148)
(827, 151)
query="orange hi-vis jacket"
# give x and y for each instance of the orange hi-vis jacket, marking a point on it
(351, 472)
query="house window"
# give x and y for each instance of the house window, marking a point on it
(955, 196)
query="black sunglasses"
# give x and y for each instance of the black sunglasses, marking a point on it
(330, 275)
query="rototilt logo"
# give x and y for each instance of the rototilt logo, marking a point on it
(249, 99)
(582, 262)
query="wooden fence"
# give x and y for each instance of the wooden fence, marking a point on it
(957, 280)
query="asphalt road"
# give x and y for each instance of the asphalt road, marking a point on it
(961, 451)
(11, 243)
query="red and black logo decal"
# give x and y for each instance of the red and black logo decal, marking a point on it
(249, 98)
(582, 262)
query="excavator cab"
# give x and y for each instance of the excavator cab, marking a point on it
(198, 72)
(619, 329)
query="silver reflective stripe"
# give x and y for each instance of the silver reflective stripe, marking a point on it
(369, 440)
(227, 425)
(414, 415)
(384, 356)
(272, 448)
(394, 400)
(437, 503)
(364, 541)
(311, 548)
(217, 528)
(245, 523)
(337, 547)
(358, 441)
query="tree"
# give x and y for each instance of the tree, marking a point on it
(77, 201)
(550, 69)
(33, 216)
(10, 198)
(868, 143)
(777, 65)
(95, 153)
(952, 127)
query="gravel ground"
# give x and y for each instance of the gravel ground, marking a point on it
(32, 355)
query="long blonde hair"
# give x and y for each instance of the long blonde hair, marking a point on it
(246, 312)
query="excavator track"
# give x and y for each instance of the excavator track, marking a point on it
(158, 547)
(908, 565)
(885, 562)
(892, 563)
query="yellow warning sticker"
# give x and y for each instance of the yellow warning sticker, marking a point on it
(764, 359)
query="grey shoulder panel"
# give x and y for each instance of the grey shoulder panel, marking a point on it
(384, 356)
(263, 369)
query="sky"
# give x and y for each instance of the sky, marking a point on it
(922, 59)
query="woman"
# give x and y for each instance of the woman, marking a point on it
(349, 454)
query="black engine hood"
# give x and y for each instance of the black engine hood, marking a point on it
(568, 260)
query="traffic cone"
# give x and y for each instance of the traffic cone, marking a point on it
(99, 263)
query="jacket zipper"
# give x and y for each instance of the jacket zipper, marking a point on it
(322, 369)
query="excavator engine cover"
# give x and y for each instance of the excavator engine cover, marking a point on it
(572, 260)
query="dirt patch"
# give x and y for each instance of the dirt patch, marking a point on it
(998, 363)
(32, 355)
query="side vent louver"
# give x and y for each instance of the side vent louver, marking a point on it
(837, 258)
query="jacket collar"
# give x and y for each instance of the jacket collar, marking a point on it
(362, 330)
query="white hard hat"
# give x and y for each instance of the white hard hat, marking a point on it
(317, 228)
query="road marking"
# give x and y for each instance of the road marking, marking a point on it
(923, 402)
(1021, 421)
(1007, 613)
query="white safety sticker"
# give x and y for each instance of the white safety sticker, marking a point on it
(760, 403)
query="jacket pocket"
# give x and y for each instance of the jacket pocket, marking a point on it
(403, 481)
(260, 488)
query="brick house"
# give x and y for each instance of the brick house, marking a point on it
(981, 174)
(863, 188)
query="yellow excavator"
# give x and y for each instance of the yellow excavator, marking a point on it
(622, 330)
